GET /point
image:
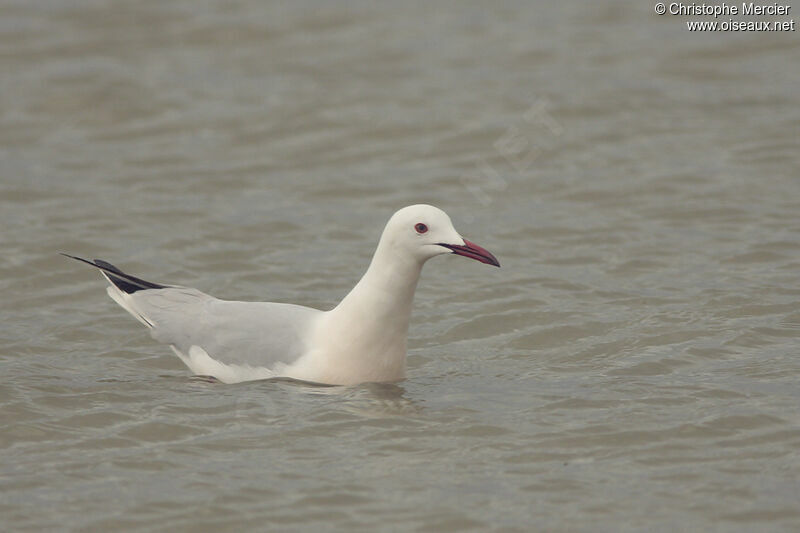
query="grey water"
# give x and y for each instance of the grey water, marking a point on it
(632, 366)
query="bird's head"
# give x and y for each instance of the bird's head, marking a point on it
(425, 231)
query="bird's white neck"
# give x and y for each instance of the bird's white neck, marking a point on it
(372, 320)
(384, 296)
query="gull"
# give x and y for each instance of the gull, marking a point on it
(363, 339)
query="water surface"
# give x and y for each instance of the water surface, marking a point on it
(633, 366)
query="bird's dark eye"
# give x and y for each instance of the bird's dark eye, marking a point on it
(421, 228)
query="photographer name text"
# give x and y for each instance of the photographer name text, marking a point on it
(727, 10)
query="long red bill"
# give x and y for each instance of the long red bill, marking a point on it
(473, 251)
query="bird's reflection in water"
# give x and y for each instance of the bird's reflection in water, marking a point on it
(365, 399)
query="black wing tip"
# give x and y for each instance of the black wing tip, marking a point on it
(124, 282)
(123, 285)
(75, 257)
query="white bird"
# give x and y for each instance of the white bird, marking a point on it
(363, 339)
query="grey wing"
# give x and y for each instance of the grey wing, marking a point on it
(258, 334)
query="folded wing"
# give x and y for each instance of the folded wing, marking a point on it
(245, 334)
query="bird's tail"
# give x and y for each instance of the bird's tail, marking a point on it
(123, 286)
